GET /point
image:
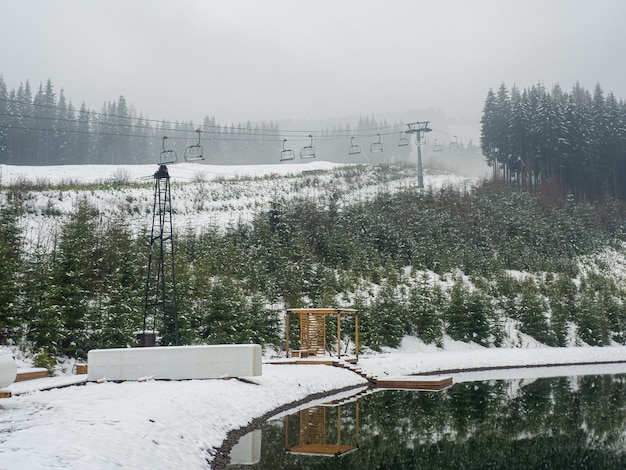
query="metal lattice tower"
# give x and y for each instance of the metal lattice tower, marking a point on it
(418, 128)
(160, 300)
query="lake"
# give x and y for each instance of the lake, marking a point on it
(549, 423)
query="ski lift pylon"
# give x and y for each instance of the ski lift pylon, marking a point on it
(354, 149)
(286, 154)
(376, 146)
(308, 151)
(402, 141)
(167, 155)
(193, 153)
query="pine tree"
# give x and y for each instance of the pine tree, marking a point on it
(4, 123)
(10, 267)
(532, 314)
(83, 152)
(424, 314)
(75, 274)
(456, 313)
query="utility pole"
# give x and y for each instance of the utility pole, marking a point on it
(418, 128)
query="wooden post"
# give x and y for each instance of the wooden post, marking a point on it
(339, 425)
(338, 335)
(356, 333)
(357, 423)
(287, 333)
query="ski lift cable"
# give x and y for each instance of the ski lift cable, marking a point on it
(206, 127)
(213, 130)
(330, 134)
(450, 134)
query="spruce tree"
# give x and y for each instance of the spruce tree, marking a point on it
(10, 274)
(75, 276)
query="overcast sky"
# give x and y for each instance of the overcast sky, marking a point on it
(279, 59)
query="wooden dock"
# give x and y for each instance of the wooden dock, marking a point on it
(405, 382)
(314, 360)
(414, 383)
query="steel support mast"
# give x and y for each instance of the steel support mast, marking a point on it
(160, 299)
(418, 128)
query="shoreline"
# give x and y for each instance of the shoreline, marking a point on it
(220, 458)
(221, 454)
(195, 423)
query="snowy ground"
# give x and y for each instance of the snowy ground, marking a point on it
(179, 424)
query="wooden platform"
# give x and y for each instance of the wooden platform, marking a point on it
(414, 383)
(322, 449)
(312, 360)
(303, 352)
(5, 394)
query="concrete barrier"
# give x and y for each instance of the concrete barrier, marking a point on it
(8, 370)
(175, 362)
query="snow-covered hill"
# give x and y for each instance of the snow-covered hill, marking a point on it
(202, 195)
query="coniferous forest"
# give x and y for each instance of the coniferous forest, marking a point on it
(557, 141)
(413, 262)
(474, 264)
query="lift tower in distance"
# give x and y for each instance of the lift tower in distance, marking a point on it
(418, 128)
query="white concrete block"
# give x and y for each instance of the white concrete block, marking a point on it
(175, 362)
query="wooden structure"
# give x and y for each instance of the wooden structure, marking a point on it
(313, 330)
(31, 374)
(313, 438)
(414, 383)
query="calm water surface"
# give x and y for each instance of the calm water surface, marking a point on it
(548, 423)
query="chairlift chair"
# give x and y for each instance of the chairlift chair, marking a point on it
(437, 147)
(286, 154)
(167, 155)
(454, 145)
(193, 153)
(376, 146)
(308, 151)
(354, 149)
(402, 141)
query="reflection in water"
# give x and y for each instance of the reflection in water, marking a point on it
(317, 435)
(248, 450)
(575, 422)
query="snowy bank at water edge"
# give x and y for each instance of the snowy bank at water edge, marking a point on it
(180, 424)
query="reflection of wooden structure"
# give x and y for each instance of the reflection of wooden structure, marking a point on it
(312, 433)
(313, 330)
